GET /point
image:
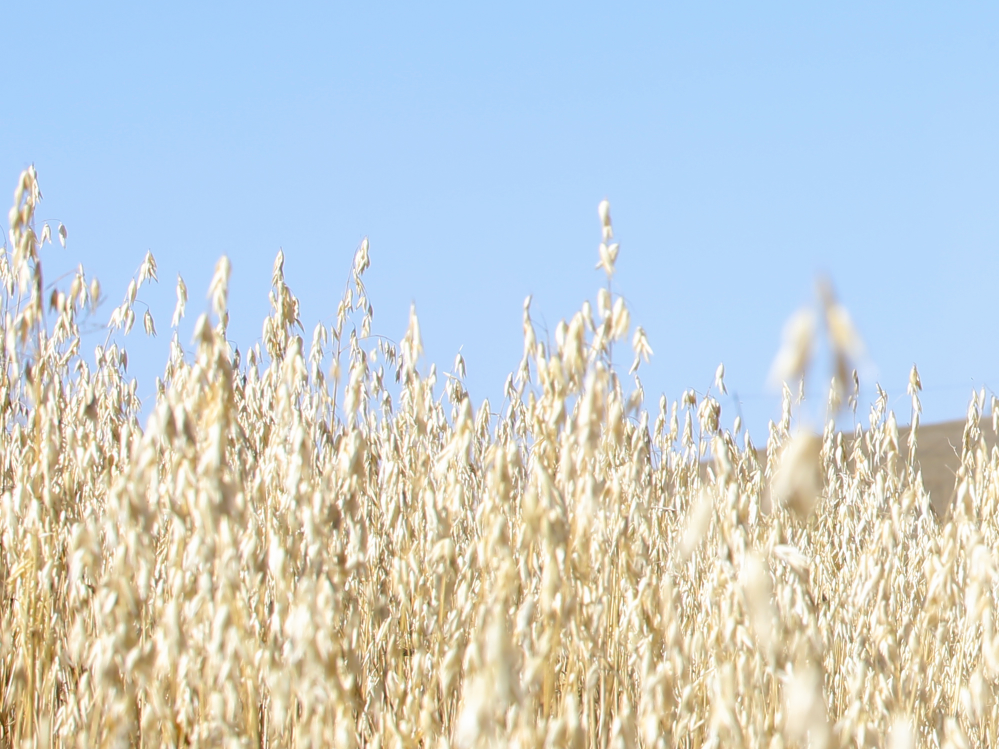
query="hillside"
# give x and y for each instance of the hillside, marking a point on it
(938, 453)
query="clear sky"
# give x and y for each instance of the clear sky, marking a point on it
(744, 148)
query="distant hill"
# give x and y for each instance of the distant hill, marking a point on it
(938, 456)
(938, 453)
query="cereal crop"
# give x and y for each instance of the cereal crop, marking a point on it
(325, 541)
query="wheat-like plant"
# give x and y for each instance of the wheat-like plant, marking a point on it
(321, 544)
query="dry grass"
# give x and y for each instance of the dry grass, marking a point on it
(287, 557)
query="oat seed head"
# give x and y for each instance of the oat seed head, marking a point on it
(320, 542)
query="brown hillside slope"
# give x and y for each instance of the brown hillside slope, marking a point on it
(938, 453)
(938, 456)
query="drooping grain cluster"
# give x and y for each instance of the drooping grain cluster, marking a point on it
(317, 544)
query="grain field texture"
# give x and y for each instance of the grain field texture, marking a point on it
(317, 542)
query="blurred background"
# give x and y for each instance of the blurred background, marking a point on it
(744, 150)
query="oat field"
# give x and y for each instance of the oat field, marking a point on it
(325, 541)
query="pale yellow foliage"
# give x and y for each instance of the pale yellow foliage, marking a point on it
(281, 559)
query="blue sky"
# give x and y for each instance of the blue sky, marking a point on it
(744, 148)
